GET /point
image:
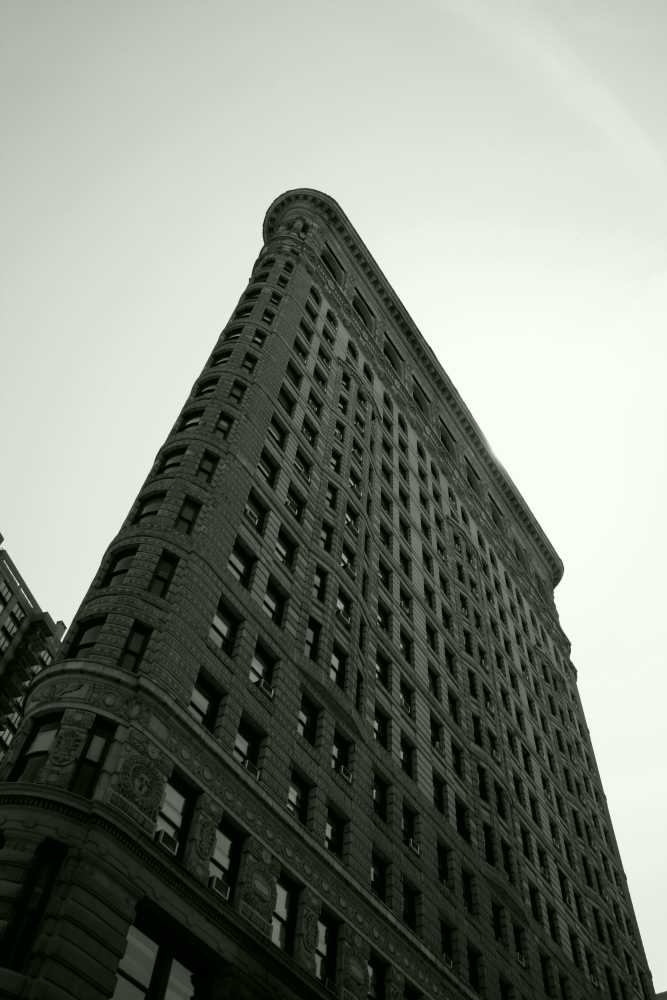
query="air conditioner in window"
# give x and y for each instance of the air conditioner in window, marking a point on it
(345, 773)
(415, 846)
(266, 688)
(217, 884)
(251, 769)
(521, 959)
(167, 841)
(252, 516)
(344, 617)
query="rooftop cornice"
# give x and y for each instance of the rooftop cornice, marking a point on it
(321, 206)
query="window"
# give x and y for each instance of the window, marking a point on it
(222, 632)
(86, 636)
(406, 696)
(405, 645)
(174, 814)
(326, 536)
(35, 750)
(379, 876)
(340, 755)
(224, 424)
(410, 905)
(406, 756)
(261, 669)
(207, 466)
(474, 968)
(306, 725)
(204, 703)
(135, 646)
(333, 266)
(283, 918)
(241, 562)
(274, 602)
(267, 468)
(163, 574)
(171, 460)
(313, 632)
(187, 515)
(285, 550)
(29, 908)
(247, 745)
(90, 763)
(380, 793)
(226, 858)
(297, 797)
(439, 794)
(377, 979)
(249, 363)
(382, 669)
(220, 357)
(326, 948)
(295, 502)
(255, 512)
(337, 666)
(381, 728)
(334, 832)
(190, 419)
(118, 566)
(148, 506)
(462, 819)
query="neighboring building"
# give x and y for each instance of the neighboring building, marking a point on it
(316, 731)
(29, 640)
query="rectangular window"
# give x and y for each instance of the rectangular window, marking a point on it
(187, 516)
(326, 949)
(298, 791)
(377, 979)
(222, 632)
(163, 574)
(204, 703)
(267, 468)
(89, 766)
(190, 419)
(274, 602)
(35, 750)
(337, 666)
(224, 424)
(241, 562)
(283, 918)
(380, 797)
(174, 814)
(285, 549)
(307, 718)
(119, 564)
(225, 860)
(207, 466)
(247, 746)
(148, 506)
(255, 512)
(261, 669)
(135, 646)
(334, 832)
(171, 460)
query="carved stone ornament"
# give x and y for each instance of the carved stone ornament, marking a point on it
(67, 747)
(141, 782)
(205, 837)
(309, 930)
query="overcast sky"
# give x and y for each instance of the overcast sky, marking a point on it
(504, 161)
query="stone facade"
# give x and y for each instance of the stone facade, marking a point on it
(316, 730)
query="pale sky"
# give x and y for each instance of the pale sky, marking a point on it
(505, 163)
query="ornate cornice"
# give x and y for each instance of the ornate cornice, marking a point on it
(319, 206)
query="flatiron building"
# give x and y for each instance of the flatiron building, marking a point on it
(315, 730)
